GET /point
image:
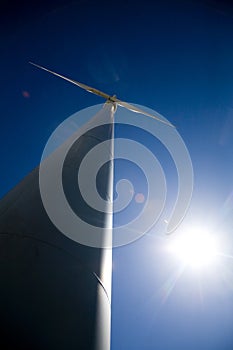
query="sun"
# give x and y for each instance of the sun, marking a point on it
(197, 247)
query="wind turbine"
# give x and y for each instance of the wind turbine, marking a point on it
(56, 292)
(110, 99)
(102, 310)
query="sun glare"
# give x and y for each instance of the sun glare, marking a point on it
(197, 248)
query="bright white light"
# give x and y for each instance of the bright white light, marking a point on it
(197, 248)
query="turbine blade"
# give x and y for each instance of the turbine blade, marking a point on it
(138, 110)
(112, 99)
(81, 85)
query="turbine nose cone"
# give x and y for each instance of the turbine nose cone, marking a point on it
(114, 107)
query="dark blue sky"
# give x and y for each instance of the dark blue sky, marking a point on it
(175, 57)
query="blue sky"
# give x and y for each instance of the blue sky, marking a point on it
(176, 58)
